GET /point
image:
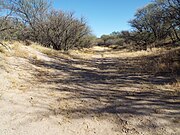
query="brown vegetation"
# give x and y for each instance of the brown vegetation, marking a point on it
(35, 21)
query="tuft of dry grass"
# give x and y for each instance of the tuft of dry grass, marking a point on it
(2, 49)
(176, 84)
(51, 52)
(21, 54)
(20, 49)
(42, 49)
(14, 48)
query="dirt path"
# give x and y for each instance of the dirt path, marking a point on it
(74, 96)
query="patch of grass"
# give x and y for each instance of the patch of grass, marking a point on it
(19, 52)
(14, 48)
(45, 50)
(169, 62)
(2, 49)
(176, 84)
(51, 52)
(3, 64)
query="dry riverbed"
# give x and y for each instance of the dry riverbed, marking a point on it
(95, 91)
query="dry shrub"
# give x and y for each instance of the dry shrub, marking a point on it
(169, 63)
(27, 42)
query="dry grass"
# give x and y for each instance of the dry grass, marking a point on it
(5, 47)
(20, 53)
(174, 87)
(97, 52)
(169, 61)
(42, 49)
(14, 48)
(50, 52)
(161, 58)
(177, 85)
(2, 49)
(133, 54)
(105, 52)
(81, 54)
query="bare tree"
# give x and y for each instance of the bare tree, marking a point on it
(56, 29)
(4, 21)
(29, 12)
(62, 31)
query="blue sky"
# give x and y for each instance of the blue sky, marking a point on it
(103, 16)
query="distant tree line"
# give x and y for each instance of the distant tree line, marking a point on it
(153, 24)
(35, 20)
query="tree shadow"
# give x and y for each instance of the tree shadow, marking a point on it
(110, 86)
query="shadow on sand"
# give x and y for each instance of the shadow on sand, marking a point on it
(109, 86)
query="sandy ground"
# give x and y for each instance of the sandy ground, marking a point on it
(48, 95)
